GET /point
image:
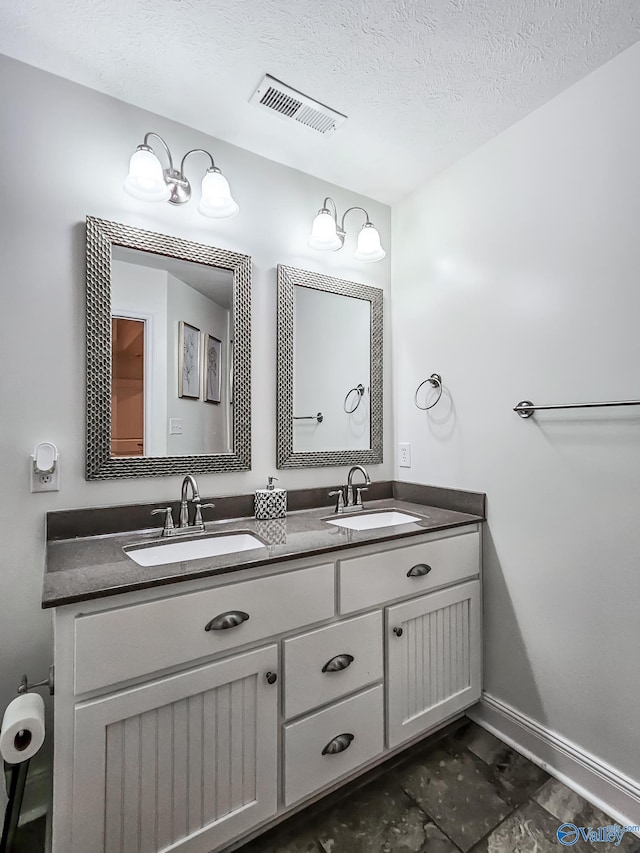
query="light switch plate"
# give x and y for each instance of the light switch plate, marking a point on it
(175, 426)
(404, 456)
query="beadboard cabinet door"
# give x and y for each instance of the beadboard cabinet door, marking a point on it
(434, 662)
(185, 763)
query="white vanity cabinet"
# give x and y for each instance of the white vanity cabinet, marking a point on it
(171, 735)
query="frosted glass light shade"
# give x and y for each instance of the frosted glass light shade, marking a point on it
(369, 248)
(216, 200)
(324, 236)
(145, 179)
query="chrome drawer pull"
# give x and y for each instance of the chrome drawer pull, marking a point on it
(338, 663)
(338, 744)
(227, 620)
(419, 570)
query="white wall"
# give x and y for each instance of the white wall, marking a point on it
(516, 274)
(204, 424)
(68, 149)
(139, 291)
(332, 354)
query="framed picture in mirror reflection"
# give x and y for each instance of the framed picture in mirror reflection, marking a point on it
(212, 369)
(188, 361)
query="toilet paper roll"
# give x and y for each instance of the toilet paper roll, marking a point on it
(22, 732)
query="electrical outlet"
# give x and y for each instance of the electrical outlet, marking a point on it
(45, 482)
(404, 456)
(175, 426)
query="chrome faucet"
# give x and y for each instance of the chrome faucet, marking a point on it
(348, 504)
(358, 503)
(189, 480)
(184, 527)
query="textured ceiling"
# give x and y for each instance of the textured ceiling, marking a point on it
(423, 83)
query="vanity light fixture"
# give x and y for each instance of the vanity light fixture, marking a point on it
(326, 236)
(147, 180)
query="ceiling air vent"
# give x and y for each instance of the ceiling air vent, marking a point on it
(274, 96)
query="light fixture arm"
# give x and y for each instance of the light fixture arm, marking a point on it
(164, 145)
(197, 151)
(348, 210)
(335, 209)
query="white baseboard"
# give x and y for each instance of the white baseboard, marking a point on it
(601, 784)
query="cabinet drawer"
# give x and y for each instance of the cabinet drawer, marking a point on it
(371, 581)
(132, 641)
(359, 720)
(350, 653)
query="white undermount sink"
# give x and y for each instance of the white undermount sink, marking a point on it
(373, 520)
(193, 549)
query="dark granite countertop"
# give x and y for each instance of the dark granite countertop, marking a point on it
(89, 567)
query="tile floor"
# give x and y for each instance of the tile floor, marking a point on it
(467, 793)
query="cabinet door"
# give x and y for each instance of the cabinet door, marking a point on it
(184, 763)
(433, 659)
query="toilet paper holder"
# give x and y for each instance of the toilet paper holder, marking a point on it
(49, 682)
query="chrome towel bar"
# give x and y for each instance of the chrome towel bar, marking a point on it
(526, 408)
(319, 417)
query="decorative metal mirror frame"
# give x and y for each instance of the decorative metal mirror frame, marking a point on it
(101, 465)
(288, 277)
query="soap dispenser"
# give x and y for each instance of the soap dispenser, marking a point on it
(271, 502)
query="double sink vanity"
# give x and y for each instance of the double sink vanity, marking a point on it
(216, 672)
(202, 698)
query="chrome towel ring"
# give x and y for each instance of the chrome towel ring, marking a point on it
(435, 380)
(359, 389)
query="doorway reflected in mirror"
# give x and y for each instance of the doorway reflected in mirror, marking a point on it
(127, 386)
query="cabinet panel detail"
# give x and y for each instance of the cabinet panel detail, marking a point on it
(205, 771)
(434, 659)
(437, 657)
(186, 774)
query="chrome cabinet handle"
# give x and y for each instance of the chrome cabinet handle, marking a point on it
(338, 663)
(419, 570)
(227, 620)
(338, 744)
(398, 632)
(271, 677)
